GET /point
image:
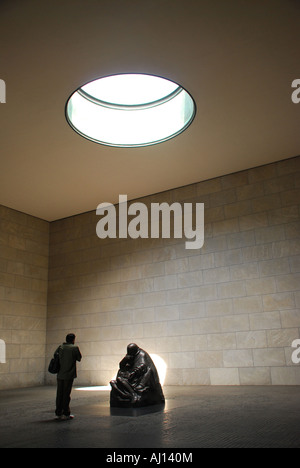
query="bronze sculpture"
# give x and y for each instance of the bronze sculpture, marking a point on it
(137, 383)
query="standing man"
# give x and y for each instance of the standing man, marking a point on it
(69, 354)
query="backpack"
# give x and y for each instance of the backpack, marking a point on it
(54, 365)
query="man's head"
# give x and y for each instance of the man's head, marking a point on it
(132, 349)
(70, 338)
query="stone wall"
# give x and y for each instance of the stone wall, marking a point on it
(225, 314)
(24, 250)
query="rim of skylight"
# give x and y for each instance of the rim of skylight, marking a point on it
(175, 107)
(115, 105)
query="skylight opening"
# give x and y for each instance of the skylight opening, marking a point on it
(130, 110)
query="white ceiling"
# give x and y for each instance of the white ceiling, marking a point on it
(237, 58)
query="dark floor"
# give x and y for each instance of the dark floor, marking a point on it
(192, 417)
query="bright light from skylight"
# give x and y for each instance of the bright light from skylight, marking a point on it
(130, 110)
(159, 363)
(130, 89)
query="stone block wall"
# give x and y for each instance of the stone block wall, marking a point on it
(223, 315)
(24, 251)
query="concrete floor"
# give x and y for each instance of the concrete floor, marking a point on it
(193, 417)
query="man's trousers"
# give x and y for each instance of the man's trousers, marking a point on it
(63, 397)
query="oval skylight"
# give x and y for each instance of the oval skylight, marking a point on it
(130, 110)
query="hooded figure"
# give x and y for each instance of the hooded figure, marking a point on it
(137, 382)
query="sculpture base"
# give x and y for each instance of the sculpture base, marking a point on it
(145, 399)
(136, 412)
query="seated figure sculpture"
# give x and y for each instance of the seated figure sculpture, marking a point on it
(137, 383)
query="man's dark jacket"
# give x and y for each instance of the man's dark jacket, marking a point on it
(69, 354)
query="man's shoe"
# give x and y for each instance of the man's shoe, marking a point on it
(66, 418)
